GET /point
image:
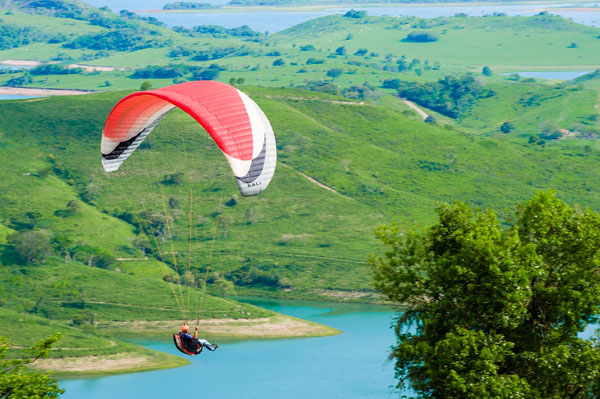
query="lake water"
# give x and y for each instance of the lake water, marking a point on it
(16, 97)
(274, 21)
(350, 365)
(558, 75)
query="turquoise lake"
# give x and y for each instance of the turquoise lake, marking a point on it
(350, 365)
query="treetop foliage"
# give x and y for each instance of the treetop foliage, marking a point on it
(450, 96)
(423, 37)
(493, 312)
(19, 382)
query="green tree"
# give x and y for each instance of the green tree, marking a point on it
(335, 73)
(486, 71)
(19, 382)
(493, 312)
(33, 245)
(146, 86)
(506, 127)
(340, 50)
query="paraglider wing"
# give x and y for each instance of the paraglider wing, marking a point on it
(238, 126)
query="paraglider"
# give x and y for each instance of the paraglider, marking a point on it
(234, 121)
(191, 345)
(236, 124)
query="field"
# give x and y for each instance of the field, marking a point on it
(131, 252)
(308, 51)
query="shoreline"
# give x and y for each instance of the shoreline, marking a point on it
(320, 7)
(274, 327)
(143, 359)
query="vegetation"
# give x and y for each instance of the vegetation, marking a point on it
(492, 312)
(186, 5)
(118, 40)
(54, 69)
(17, 381)
(421, 37)
(14, 36)
(450, 96)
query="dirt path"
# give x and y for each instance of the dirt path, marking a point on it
(37, 91)
(21, 63)
(315, 181)
(419, 111)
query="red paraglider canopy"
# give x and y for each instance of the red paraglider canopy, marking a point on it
(235, 122)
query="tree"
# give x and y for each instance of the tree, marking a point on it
(33, 245)
(340, 50)
(335, 73)
(208, 74)
(146, 86)
(492, 312)
(486, 71)
(18, 381)
(355, 14)
(506, 127)
(279, 62)
(421, 37)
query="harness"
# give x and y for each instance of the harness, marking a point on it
(185, 349)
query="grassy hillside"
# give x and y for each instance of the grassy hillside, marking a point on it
(304, 52)
(533, 108)
(382, 165)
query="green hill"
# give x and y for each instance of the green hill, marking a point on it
(128, 44)
(299, 236)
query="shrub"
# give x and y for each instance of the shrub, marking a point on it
(355, 14)
(335, 72)
(422, 37)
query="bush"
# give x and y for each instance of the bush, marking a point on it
(391, 84)
(173, 179)
(320, 86)
(214, 53)
(314, 61)
(160, 72)
(118, 40)
(355, 14)
(32, 246)
(506, 127)
(279, 62)
(421, 37)
(207, 74)
(308, 47)
(335, 72)
(54, 69)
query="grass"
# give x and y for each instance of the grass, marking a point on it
(505, 44)
(374, 156)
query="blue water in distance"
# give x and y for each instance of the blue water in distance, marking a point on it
(16, 97)
(350, 365)
(558, 75)
(274, 21)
